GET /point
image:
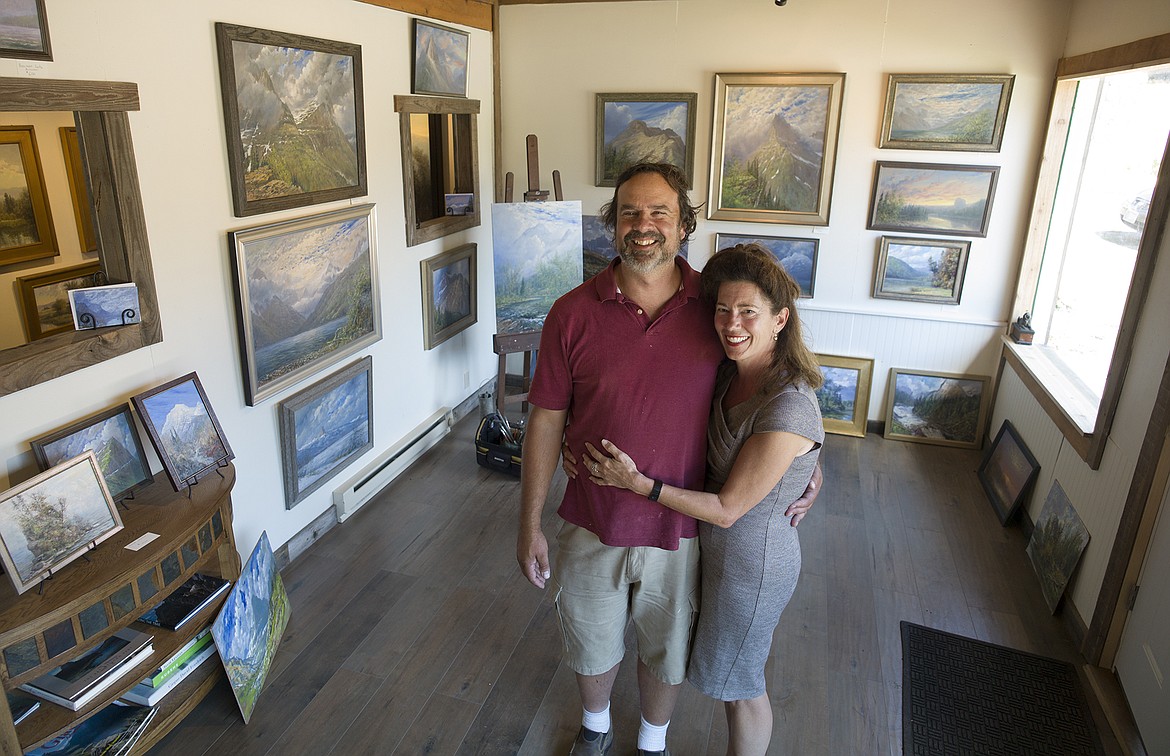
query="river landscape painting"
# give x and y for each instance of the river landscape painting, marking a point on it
(306, 296)
(946, 112)
(932, 198)
(537, 250)
(937, 408)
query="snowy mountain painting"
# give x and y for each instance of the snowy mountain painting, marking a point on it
(114, 442)
(537, 252)
(183, 430)
(798, 257)
(440, 60)
(959, 112)
(103, 306)
(635, 131)
(250, 625)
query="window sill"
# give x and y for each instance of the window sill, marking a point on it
(1071, 405)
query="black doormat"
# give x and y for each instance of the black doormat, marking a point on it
(965, 696)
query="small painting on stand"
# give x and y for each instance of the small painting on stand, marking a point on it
(183, 429)
(112, 437)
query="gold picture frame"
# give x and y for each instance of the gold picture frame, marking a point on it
(26, 227)
(844, 396)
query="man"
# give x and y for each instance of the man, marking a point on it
(630, 355)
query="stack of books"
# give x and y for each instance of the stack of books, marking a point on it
(173, 671)
(185, 602)
(113, 731)
(77, 682)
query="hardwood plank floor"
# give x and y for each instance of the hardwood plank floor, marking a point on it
(413, 632)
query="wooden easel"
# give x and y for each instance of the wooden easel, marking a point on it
(527, 342)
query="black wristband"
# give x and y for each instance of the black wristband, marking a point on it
(655, 492)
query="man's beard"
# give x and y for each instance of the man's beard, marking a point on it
(638, 260)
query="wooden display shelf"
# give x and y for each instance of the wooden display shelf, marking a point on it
(88, 601)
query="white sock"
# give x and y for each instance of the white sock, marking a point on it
(652, 737)
(596, 721)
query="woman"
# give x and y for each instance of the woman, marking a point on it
(763, 441)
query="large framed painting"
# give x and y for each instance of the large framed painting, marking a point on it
(44, 298)
(947, 409)
(844, 396)
(440, 60)
(644, 128)
(325, 427)
(53, 518)
(78, 188)
(449, 285)
(294, 118)
(249, 627)
(1007, 472)
(921, 270)
(946, 112)
(1057, 542)
(774, 147)
(24, 30)
(26, 224)
(183, 429)
(797, 256)
(306, 296)
(112, 438)
(932, 198)
(536, 248)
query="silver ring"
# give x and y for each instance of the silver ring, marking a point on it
(594, 468)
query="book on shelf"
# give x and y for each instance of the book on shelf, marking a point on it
(147, 695)
(112, 731)
(201, 640)
(21, 705)
(185, 601)
(77, 682)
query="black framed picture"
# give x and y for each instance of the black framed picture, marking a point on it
(183, 429)
(1007, 472)
(112, 437)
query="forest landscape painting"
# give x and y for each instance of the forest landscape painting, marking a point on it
(293, 112)
(306, 296)
(537, 253)
(440, 60)
(932, 199)
(113, 440)
(938, 408)
(798, 257)
(921, 270)
(844, 395)
(646, 128)
(325, 427)
(51, 519)
(183, 429)
(248, 629)
(946, 112)
(1056, 545)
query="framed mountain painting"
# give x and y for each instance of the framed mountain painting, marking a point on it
(644, 128)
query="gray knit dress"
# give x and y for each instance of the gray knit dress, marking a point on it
(749, 569)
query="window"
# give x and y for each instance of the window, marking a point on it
(1093, 233)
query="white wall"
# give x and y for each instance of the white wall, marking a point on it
(556, 58)
(168, 49)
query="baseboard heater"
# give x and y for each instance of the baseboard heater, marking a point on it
(390, 464)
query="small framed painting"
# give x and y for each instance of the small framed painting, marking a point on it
(24, 30)
(53, 518)
(26, 224)
(1057, 542)
(294, 117)
(797, 256)
(325, 427)
(932, 198)
(44, 298)
(183, 429)
(440, 60)
(112, 437)
(921, 270)
(449, 285)
(947, 409)
(946, 112)
(644, 127)
(105, 306)
(1007, 472)
(844, 396)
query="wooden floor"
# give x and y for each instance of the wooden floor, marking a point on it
(412, 630)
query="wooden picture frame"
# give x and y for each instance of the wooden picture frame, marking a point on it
(932, 198)
(74, 494)
(325, 427)
(183, 429)
(28, 232)
(322, 269)
(20, 38)
(964, 112)
(78, 189)
(921, 270)
(321, 155)
(947, 409)
(449, 286)
(439, 65)
(844, 396)
(797, 255)
(44, 298)
(1007, 472)
(636, 127)
(112, 437)
(746, 183)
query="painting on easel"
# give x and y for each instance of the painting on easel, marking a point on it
(537, 251)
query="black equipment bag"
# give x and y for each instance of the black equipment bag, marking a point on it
(498, 445)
